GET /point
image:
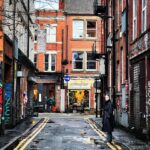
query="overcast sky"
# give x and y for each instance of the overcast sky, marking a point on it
(46, 4)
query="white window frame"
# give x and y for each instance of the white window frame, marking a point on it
(74, 61)
(51, 34)
(143, 16)
(77, 28)
(134, 19)
(86, 60)
(49, 62)
(91, 29)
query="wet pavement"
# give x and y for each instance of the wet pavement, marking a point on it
(68, 132)
(11, 136)
(126, 138)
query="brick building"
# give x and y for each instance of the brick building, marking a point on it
(76, 29)
(83, 30)
(139, 58)
(16, 44)
(48, 51)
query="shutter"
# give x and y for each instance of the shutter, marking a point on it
(137, 95)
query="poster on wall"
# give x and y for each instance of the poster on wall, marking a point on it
(41, 41)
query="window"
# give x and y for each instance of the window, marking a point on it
(35, 60)
(78, 29)
(91, 62)
(143, 15)
(81, 58)
(122, 66)
(78, 60)
(91, 29)
(35, 35)
(51, 34)
(123, 24)
(134, 19)
(10, 2)
(50, 62)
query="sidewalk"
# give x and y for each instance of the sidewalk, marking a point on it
(126, 138)
(12, 136)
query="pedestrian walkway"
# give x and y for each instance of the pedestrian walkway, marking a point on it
(11, 136)
(123, 137)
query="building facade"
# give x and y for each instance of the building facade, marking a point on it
(16, 44)
(84, 30)
(139, 58)
(70, 33)
(48, 52)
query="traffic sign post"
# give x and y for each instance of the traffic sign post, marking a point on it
(67, 78)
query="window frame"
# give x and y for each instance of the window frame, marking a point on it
(49, 62)
(134, 19)
(74, 69)
(75, 30)
(86, 61)
(86, 29)
(143, 26)
(49, 34)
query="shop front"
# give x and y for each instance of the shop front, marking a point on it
(80, 92)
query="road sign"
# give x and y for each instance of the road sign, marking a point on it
(67, 78)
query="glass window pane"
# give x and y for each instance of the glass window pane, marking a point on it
(78, 31)
(46, 66)
(78, 65)
(91, 65)
(46, 58)
(91, 25)
(91, 29)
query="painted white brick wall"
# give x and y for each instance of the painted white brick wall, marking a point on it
(21, 25)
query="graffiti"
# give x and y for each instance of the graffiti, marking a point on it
(148, 94)
(7, 103)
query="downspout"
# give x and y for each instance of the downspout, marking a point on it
(62, 66)
(127, 60)
(28, 38)
(114, 58)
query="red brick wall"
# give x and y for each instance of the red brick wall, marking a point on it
(53, 46)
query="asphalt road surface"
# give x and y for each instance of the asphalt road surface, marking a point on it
(63, 132)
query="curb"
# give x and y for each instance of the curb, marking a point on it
(15, 140)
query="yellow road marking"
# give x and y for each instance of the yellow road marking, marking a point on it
(113, 146)
(31, 135)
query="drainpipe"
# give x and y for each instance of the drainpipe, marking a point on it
(13, 111)
(28, 34)
(62, 66)
(127, 60)
(114, 58)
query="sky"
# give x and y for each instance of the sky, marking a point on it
(46, 4)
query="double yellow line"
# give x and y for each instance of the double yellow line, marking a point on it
(23, 144)
(112, 145)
